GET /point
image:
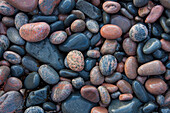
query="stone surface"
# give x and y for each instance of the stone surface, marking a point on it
(68, 73)
(125, 97)
(96, 77)
(3, 30)
(92, 26)
(66, 6)
(165, 45)
(110, 87)
(129, 46)
(165, 3)
(20, 20)
(113, 78)
(111, 7)
(99, 109)
(4, 72)
(124, 86)
(34, 109)
(58, 37)
(93, 53)
(12, 57)
(104, 95)
(17, 70)
(78, 25)
(4, 42)
(140, 3)
(6, 8)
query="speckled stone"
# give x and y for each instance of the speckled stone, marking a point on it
(129, 46)
(75, 60)
(8, 21)
(111, 7)
(165, 3)
(165, 45)
(66, 6)
(61, 91)
(125, 97)
(79, 14)
(4, 72)
(6, 8)
(58, 37)
(96, 77)
(12, 57)
(93, 53)
(3, 29)
(4, 42)
(104, 95)
(110, 87)
(78, 26)
(34, 109)
(124, 86)
(92, 26)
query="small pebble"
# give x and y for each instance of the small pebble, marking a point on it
(58, 37)
(125, 97)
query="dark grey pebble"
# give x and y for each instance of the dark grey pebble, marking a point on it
(67, 73)
(149, 107)
(106, 18)
(34, 109)
(163, 24)
(126, 13)
(113, 78)
(168, 65)
(1, 51)
(4, 42)
(20, 20)
(78, 82)
(164, 110)
(17, 70)
(89, 64)
(69, 20)
(84, 74)
(115, 95)
(165, 36)
(57, 26)
(157, 30)
(168, 22)
(119, 56)
(66, 6)
(47, 19)
(140, 3)
(160, 99)
(17, 49)
(88, 34)
(158, 54)
(49, 106)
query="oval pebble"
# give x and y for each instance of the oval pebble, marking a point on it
(111, 7)
(125, 97)
(34, 109)
(4, 41)
(104, 95)
(92, 26)
(66, 6)
(93, 53)
(12, 57)
(4, 73)
(78, 26)
(6, 8)
(129, 46)
(58, 37)
(17, 70)
(124, 86)
(99, 109)
(20, 20)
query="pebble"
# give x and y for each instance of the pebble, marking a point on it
(93, 53)
(57, 26)
(99, 109)
(90, 93)
(155, 13)
(69, 20)
(124, 86)
(78, 82)
(104, 95)
(95, 39)
(34, 32)
(113, 77)
(115, 95)
(156, 86)
(96, 78)
(167, 74)
(138, 32)
(108, 47)
(11, 102)
(89, 64)
(164, 110)
(68, 73)
(34, 109)
(4, 73)
(77, 41)
(58, 37)
(61, 91)
(3, 30)
(32, 80)
(165, 36)
(78, 26)
(110, 31)
(126, 13)
(107, 65)
(20, 20)
(8, 21)
(131, 8)
(157, 30)
(106, 18)
(140, 91)
(165, 3)
(167, 99)
(111, 7)
(76, 103)
(13, 84)
(4, 42)
(130, 67)
(165, 45)
(47, 6)
(93, 12)
(163, 24)
(78, 14)
(141, 79)
(47, 19)
(160, 99)
(6, 9)
(120, 67)
(47, 53)
(30, 63)
(140, 3)
(130, 106)
(92, 26)
(37, 97)
(17, 70)
(155, 67)
(24, 5)
(17, 49)
(48, 74)
(75, 60)
(125, 97)
(129, 46)
(110, 87)
(66, 6)
(49, 106)
(12, 57)
(149, 107)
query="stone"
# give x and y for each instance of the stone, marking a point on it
(8, 21)
(107, 65)
(66, 6)
(120, 67)
(4, 42)
(96, 78)
(58, 37)
(68, 73)
(113, 78)
(115, 95)
(4, 73)
(110, 31)
(125, 12)
(3, 30)
(69, 20)
(6, 9)
(93, 53)
(104, 95)
(140, 3)
(165, 45)
(156, 86)
(47, 53)
(17, 49)
(149, 107)
(110, 87)
(160, 100)
(165, 3)
(92, 26)
(79, 14)
(111, 7)
(95, 39)
(125, 97)
(34, 109)
(129, 46)
(57, 26)
(77, 41)
(155, 67)
(99, 109)
(12, 57)
(78, 25)
(78, 82)
(17, 70)
(61, 91)
(20, 20)
(90, 93)
(89, 64)
(124, 86)
(49, 106)
(48, 74)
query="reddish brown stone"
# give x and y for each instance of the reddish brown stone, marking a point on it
(155, 67)
(34, 32)
(155, 13)
(96, 77)
(3, 29)
(68, 31)
(13, 84)
(12, 57)
(165, 45)
(99, 109)
(58, 37)
(93, 53)
(124, 86)
(131, 66)
(104, 95)
(95, 2)
(156, 86)
(75, 60)
(24, 5)
(129, 46)
(79, 14)
(110, 31)
(108, 47)
(111, 7)
(78, 25)
(141, 79)
(124, 97)
(4, 72)
(99, 42)
(110, 87)
(120, 67)
(6, 8)
(4, 63)
(62, 17)
(90, 93)
(8, 21)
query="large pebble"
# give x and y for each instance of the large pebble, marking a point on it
(155, 67)
(17, 70)
(104, 95)
(66, 6)
(107, 64)
(20, 20)
(75, 60)
(58, 37)
(124, 86)
(4, 72)
(17, 49)
(61, 91)
(78, 25)
(93, 53)
(125, 97)
(111, 7)
(90, 93)
(110, 31)
(149, 107)
(48, 74)
(6, 8)
(34, 109)
(92, 26)
(156, 86)
(110, 87)
(12, 57)
(140, 3)
(96, 77)
(34, 32)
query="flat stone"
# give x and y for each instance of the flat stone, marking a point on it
(113, 78)
(68, 73)
(140, 3)
(58, 37)
(92, 26)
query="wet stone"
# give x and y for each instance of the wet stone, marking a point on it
(89, 64)
(4, 42)
(6, 9)
(125, 97)
(113, 78)
(79, 14)
(160, 99)
(95, 39)
(106, 18)
(93, 53)
(115, 95)
(8, 21)
(140, 3)
(49, 106)
(99, 109)
(129, 46)
(149, 107)
(165, 3)
(57, 26)
(124, 86)
(165, 45)
(104, 95)
(111, 7)
(47, 19)
(69, 20)
(3, 29)
(157, 30)
(17, 49)
(78, 25)
(110, 87)
(165, 36)
(20, 20)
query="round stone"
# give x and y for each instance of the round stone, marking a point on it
(99, 109)
(107, 64)
(110, 31)
(104, 95)
(20, 20)
(92, 26)
(75, 60)
(12, 57)
(78, 25)
(17, 70)
(4, 72)
(78, 82)
(61, 91)
(79, 14)
(156, 86)
(66, 6)
(90, 93)
(138, 32)
(34, 109)
(58, 37)
(34, 32)
(111, 7)
(129, 46)
(124, 86)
